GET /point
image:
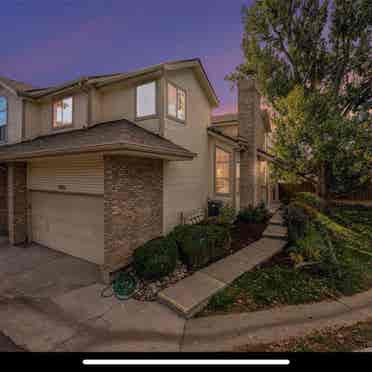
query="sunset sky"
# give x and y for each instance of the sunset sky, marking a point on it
(48, 42)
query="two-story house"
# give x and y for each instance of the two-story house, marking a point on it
(99, 165)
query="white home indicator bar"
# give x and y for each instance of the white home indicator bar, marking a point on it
(186, 362)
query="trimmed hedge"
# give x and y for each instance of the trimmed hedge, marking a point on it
(251, 214)
(312, 200)
(201, 244)
(156, 258)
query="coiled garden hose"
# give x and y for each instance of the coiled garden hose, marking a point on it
(123, 287)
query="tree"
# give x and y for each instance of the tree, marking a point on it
(318, 49)
(313, 137)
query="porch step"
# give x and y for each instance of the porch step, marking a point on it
(191, 295)
(277, 219)
(275, 232)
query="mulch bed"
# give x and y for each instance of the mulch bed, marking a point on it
(242, 235)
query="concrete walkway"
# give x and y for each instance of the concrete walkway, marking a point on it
(190, 295)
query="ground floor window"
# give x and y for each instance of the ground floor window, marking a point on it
(237, 178)
(222, 173)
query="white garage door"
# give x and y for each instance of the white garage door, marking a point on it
(67, 205)
(72, 224)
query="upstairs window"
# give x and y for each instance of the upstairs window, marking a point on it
(3, 111)
(146, 100)
(176, 102)
(62, 112)
(222, 173)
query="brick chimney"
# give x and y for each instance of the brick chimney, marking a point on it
(248, 111)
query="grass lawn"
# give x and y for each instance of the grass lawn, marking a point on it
(278, 283)
(356, 337)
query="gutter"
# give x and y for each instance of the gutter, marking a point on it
(134, 149)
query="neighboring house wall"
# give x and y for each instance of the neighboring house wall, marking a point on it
(229, 199)
(254, 173)
(3, 199)
(14, 116)
(230, 130)
(186, 184)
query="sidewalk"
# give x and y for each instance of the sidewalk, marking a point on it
(44, 325)
(225, 332)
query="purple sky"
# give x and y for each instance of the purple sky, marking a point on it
(47, 42)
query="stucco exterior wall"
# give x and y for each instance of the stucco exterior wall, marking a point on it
(14, 124)
(230, 130)
(186, 183)
(79, 114)
(120, 102)
(32, 117)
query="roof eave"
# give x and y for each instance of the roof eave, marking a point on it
(231, 141)
(129, 148)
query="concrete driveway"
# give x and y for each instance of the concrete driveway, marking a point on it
(36, 271)
(50, 301)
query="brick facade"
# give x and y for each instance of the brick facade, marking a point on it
(17, 202)
(3, 198)
(248, 106)
(133, 206)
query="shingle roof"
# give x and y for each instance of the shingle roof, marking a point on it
(102, 80)
(222, 134)
(219, 119)
(18, 86)
(109, 136)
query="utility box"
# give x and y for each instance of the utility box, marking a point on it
(214, 207)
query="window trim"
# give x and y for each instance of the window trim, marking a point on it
(215, 171)
(54, 101)
(170, 116)
(151, 116)
(5, 126)
(6, 111)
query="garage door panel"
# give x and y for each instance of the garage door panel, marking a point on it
(69, 223)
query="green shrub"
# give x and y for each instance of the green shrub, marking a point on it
(156, 258)
(297, 219)
(251, 214)
(312, 200)
(201, 244)
(317, 248)
(226, 216)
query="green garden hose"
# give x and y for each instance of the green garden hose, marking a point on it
(123, 287)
